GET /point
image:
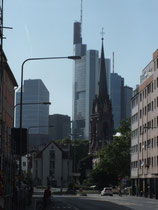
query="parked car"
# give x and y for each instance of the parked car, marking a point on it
(107, 191)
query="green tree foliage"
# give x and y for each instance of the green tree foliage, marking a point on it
(80, 150)
(84, 164)
(114, 159)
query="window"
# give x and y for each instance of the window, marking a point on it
(154, 84)
(140, 96)
(52, 154)
(140, 147)
(24, 163)
(145, 93)
(154, 103)
(140, 113)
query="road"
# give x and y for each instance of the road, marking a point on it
(97, 202)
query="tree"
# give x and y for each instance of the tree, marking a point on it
(114, 159)
(84, 164)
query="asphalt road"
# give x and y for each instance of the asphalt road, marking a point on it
(84, 203)
(97, 202)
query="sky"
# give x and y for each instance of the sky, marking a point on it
(43, 28)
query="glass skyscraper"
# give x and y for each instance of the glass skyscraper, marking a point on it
(86, 73)
(121, 98)
(34, 116)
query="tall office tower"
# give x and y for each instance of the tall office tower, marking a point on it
(101, 118)
(117, 83)
(34, 116)
(127, 95)
(84, 85)
(79, 84)
(121, 98)
(92, 66)
(62, 127)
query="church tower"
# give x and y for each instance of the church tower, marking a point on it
(101, 132)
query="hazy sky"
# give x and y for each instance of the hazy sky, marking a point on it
(44, 28)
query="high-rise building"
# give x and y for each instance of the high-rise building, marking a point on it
(62, 127)
(85, 84)
(34, 113)
(127, 95)
(79, 84)
(117, 83)
(121, 98)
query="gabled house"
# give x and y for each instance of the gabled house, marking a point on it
(52, 166)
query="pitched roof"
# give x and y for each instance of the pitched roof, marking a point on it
(39, 155)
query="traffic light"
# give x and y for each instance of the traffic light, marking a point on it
(119, 178)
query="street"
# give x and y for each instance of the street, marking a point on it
(97, 202)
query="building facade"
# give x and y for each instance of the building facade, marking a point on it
(144, 133)
(34, 113)
(7, 152)
(62, 127)
(52, 166)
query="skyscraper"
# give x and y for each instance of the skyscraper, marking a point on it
(84, 84)
(79, 84)
(34, 116)
(127, 95)
(121, 99)
(117, 83)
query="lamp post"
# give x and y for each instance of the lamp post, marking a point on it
(21, 96)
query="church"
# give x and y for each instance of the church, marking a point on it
(101, 121)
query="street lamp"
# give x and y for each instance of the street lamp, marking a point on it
(22, 69)
(21, 95)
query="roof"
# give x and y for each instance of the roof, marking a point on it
(39, 155)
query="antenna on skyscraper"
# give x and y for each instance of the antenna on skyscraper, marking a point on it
(113, 62)
(81, 16)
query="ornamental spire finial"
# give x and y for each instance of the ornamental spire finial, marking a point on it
(102, 33)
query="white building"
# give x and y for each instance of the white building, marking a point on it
(52, 164)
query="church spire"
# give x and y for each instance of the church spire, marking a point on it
(103, 92)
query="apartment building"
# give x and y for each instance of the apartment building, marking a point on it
(144, 132)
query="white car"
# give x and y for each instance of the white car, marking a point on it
(107, 191)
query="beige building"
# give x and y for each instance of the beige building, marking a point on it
(144, 132)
